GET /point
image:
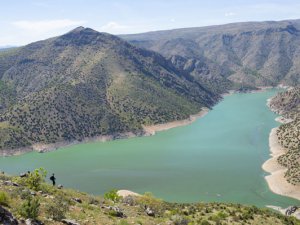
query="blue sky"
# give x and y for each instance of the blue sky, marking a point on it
(23, 22)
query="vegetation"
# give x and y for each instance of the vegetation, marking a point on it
(85, 84)
(51, 205)
(112, 195)
(251, 54)
(57, 209)
(35, 178)
(4, 200)
(288, 104)
(30, 208)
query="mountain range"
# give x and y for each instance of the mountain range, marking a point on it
(249, 53)
(85, 83)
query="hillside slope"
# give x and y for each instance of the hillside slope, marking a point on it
(251, 53)
(84, 84)
(58, 205)
(288, 104)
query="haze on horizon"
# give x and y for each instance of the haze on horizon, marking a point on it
(23, 22)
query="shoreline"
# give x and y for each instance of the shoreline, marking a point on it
(147, 131)
(152, 129)
(276, 180)
(43, 148)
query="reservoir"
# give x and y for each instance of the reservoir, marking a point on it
(218, 158)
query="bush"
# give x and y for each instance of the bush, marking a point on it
(35, 178)
(30, 208)
(204, 222)
(222, 215)
(148, 200)
(178, 220)
(112, 195)
(123, 222)
(57, 209)
(4, 199)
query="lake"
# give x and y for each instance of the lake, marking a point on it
(216, 158)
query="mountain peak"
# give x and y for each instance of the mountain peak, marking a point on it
(82, 29)
(81, 36)
(78, 29)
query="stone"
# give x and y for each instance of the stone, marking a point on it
(69, 222)
(10, 183)
(116, 211)
(6, 218)
(149, 212)
(77, 200)
(129, 200)
(23, 175)
(60, 186)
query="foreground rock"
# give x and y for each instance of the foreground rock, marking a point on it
(69, 222)
(6, 218)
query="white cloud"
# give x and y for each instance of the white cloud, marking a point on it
(228, 14)
(113, 26)
(46, 25)
(173, 20)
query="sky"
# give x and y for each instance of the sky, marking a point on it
(26, 21)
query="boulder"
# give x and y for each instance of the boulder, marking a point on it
(69, 222)
(10, 183)
(149, 212)
(23, 175)
(77, 200)
(116, 211)
(129, 200)
(33, 222)
(6, 218)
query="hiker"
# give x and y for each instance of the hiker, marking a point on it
(52, 178)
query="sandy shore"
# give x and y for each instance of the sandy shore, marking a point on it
(282, 210)
(151, 130)
(276, 181)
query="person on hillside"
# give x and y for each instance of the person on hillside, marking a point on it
(52, 178)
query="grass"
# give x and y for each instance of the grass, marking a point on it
(55, 204)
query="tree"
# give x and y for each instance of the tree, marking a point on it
(35, 178)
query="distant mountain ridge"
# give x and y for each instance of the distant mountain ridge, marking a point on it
(250, 53)
(84, 84)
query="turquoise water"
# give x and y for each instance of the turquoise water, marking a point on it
(217, 158)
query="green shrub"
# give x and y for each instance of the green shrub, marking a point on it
(148, 200)
(57, 209)
(4, 199)
(178, 220)
(222, 215)
(112, 195)
(35, 178)
(30, 208)
(123, 222)
(205, 222)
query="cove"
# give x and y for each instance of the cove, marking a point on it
(218, 158)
